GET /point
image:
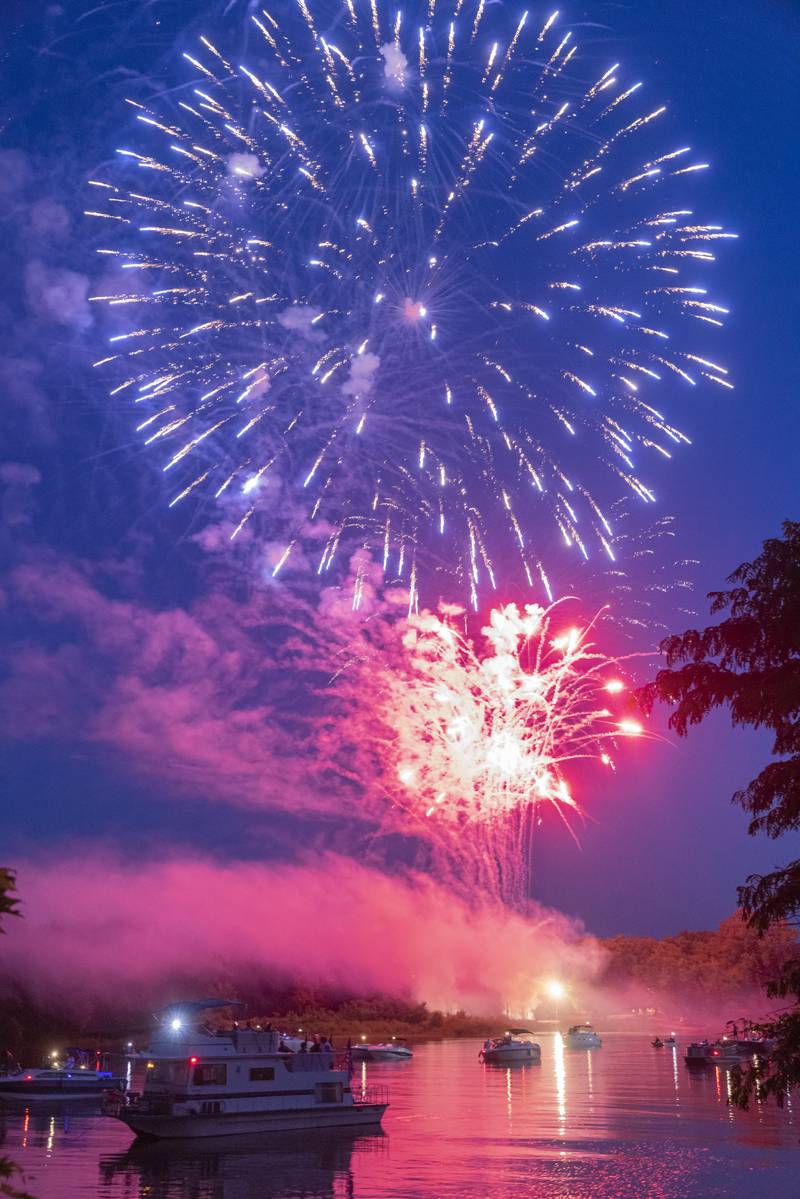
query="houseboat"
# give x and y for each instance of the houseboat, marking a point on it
(234, 1081)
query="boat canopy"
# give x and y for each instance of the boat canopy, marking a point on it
(193, 1006)
(518, 1032)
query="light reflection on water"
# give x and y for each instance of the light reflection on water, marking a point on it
(623, 1122)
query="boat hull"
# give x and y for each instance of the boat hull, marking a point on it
(58, 1089)
(382, 1055)
(191, 1127)
(503, 1057)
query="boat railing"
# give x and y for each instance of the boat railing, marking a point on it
(297, 1062)
(370, 1095)
(150, 1105)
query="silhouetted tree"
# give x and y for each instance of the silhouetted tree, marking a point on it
(750, 662)
(9, 907)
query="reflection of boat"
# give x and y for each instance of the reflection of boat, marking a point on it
(582, 1036)
(59, 1083)
(515, 1046)
(389, 1051)
(293, 1163)
(201, 1083)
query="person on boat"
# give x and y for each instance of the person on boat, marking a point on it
(283, 1047)
(316, 1047)
(303, 1046)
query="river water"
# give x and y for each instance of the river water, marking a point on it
(622, 1122)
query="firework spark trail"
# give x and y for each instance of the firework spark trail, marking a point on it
(479, 740)
(378, 233)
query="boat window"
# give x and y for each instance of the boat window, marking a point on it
(168, 1072)
(329, 1092)
(262, 1074)
(210, 1076)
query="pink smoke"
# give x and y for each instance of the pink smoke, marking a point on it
(95, 927)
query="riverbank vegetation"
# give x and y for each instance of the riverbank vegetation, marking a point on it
(749, 663)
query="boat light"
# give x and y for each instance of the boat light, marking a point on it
(151, 1065)
(175, 1025)
(193, 1061)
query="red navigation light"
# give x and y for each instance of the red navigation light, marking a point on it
(193, 1061)
(29, 1078)
(715, 1053)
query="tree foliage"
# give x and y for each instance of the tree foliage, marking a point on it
(729, 964)
(750, 663)
(9, 906)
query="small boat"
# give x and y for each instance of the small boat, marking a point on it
(698, 1054)
(582, 1036)
(657, 1043)
(238, 1081)
(741, 1051)
(387, 1051)
(515, 1046)
(59, 1083)
(671, 1040)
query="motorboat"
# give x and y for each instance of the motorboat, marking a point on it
(515, 1046)
(657, 1043)
(236, 1081)
(386, 1051)
(727, 1051)
(54, 1082)
(661, 1042)
(582, 1036)
(738, 1051)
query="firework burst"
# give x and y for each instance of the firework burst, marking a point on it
(479, 739)
(424, 281)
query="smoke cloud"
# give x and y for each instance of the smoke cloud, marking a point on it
(395, 64)
(361, 378)
(87, 933)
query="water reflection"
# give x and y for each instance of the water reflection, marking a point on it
(621, 1122)
(312, 1165)
(560, 1072)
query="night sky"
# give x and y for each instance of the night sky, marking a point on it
(89, 548)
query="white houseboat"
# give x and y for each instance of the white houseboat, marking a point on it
(202, 1083)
